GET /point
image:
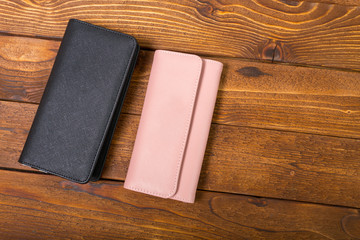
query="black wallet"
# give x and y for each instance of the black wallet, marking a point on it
(77, 115)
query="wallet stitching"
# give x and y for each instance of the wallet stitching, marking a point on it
(107, 124)
(214, 61)
(188, 123)
(156, 194)
(181, 154)
(181, 199)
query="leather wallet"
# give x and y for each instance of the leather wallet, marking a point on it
(76, 117)
(174, 126)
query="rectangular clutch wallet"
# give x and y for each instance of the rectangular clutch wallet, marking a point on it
(76, 118)
(174, 126)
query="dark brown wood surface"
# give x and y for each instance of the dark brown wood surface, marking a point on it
(307, 33)
(251, 94)
(340, 2)
(282, 160)
(242, 160)
(105, 210)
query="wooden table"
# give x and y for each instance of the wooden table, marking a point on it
(283, 157)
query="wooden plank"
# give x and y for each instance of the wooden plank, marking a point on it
(341, 2)
(41, 206)
(307, 33)
(242, 160)
(270, 96)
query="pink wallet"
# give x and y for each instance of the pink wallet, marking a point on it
(174, 126)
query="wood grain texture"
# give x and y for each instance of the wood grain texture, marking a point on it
(42, 207)
(271, 96)
(278, 131)
(341, 2)
(306, 33)
(25, 65)
(242, 160)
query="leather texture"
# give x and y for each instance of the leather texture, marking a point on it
(76, 118)
(174, 126)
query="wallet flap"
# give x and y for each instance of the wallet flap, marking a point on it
(165, 124)
(199, 131)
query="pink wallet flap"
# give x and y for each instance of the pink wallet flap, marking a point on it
(170, 144)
